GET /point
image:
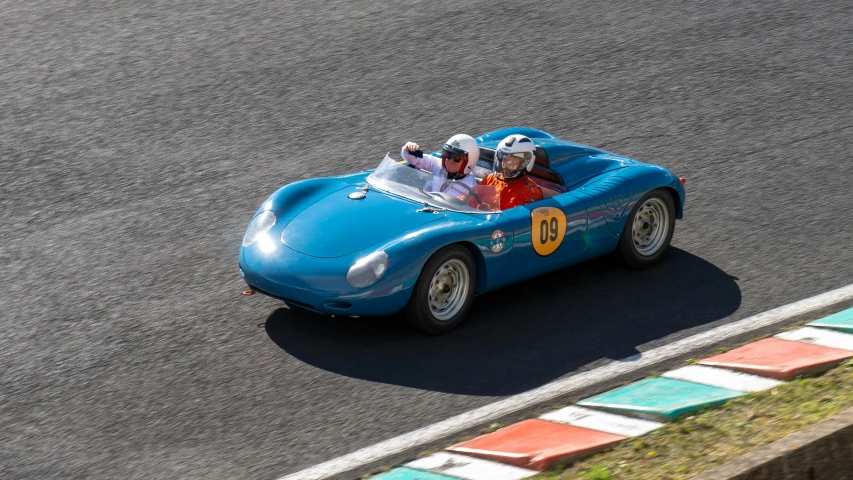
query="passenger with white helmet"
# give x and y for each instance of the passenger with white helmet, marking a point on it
(458, 158)
(514, 159)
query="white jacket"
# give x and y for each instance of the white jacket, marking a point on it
(433, 165)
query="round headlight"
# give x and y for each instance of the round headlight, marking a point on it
(259, 226)
(367, 270)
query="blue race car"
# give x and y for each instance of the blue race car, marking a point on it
(375, 242)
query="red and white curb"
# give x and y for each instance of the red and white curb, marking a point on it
(566, 386)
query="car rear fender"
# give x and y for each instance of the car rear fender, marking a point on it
(647, 177)
(616, 192)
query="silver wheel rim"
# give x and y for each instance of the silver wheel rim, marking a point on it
(448, 290)
(651, 226)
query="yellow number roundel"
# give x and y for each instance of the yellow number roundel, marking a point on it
(547, 230)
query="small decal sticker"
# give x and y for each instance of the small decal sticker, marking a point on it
(498, 241)
(547, 229)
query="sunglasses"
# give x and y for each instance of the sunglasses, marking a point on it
(454, 155)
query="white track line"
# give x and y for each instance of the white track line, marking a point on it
(566, 386)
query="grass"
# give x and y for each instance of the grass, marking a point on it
(710, 438)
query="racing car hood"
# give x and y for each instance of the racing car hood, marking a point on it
(337, 225)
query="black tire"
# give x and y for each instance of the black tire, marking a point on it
(630, 250)
(452, 259)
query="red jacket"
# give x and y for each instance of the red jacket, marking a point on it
(520, 191)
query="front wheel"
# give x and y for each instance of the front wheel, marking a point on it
(649, 229)
(444, 291)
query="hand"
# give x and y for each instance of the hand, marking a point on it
(412, 147)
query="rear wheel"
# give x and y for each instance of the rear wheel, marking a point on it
(444, 291)
(649, 229)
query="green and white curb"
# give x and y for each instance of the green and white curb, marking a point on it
(406, 473)
(840, 321)
(664, 399)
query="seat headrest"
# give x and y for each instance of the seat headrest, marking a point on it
(542, 157)
(487, 154)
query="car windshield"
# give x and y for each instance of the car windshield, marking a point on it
(401, 178)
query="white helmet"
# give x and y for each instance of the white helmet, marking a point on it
(460, 147)
(515, 156)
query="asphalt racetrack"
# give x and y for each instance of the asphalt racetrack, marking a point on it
(137, 138)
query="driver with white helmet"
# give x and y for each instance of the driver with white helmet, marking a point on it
(458, 158)
(509, 185)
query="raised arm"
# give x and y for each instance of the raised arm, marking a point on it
(412, 153)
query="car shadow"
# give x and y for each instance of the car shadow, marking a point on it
(522, 336)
